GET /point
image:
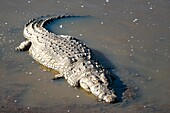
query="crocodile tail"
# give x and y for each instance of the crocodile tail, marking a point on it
(51, 19)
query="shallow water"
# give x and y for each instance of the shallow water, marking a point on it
(133, 35)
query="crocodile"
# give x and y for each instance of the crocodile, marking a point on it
(69, 56)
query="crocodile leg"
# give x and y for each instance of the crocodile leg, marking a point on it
(24, 46)
(58, 76)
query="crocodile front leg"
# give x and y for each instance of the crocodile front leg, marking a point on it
(58, 76)
(24, 46)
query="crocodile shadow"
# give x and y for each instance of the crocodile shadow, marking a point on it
(119, 87)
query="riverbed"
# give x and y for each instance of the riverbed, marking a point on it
(131, 36)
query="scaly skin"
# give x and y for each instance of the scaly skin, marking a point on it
(67, 55)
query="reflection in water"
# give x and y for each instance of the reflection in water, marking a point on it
(131, 36)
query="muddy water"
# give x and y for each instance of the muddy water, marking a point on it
(132, 35)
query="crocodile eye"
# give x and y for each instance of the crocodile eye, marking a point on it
(91, 77)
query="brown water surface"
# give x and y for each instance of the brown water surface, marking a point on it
(131, 35)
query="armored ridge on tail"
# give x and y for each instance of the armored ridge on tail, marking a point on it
(69, 56)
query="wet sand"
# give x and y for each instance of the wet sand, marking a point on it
(132, 36)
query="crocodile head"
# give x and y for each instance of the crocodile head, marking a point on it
(98, 86)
